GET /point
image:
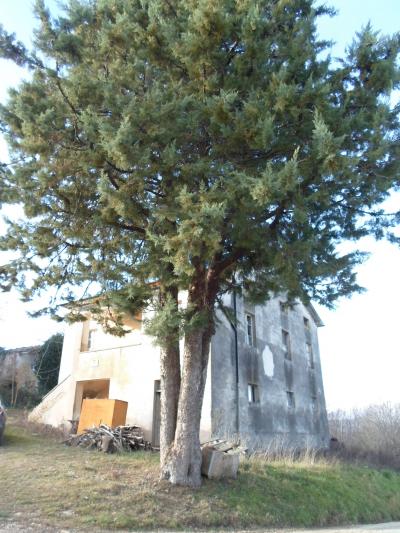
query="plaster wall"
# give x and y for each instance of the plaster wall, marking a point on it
(130, 363)
(269, 421)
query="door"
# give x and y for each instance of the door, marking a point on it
(156, 414)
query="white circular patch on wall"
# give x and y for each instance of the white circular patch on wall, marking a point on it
(268, 362)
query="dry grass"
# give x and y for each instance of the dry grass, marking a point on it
(52, 485)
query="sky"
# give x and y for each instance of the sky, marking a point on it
(359, 344)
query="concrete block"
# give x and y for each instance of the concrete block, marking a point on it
(217, 464)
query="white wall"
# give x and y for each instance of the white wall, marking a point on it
(131, 363)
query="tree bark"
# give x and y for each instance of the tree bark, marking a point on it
(13, 379)
(183, 463)
(170, 387)
(170, 374)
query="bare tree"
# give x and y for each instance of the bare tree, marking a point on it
(372, 433)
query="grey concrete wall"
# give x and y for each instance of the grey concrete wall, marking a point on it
(269, 421)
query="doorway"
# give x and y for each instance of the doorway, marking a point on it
(156, 414)
(94, 388)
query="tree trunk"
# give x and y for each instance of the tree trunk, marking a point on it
(16, 394)
(12, 391)
(13, 380)
(170, 387)
(170, 371)
(183, 463)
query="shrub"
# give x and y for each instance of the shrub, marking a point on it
(371, 434)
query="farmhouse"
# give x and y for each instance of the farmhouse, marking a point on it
(264, 379)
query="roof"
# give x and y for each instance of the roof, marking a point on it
(23, 351)
(315, 316)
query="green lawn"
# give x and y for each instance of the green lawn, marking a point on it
(42, 480)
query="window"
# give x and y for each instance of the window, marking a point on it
(252, 393)
(310, 355)
(286, 344)
(314, 404)
(91, 335)
(250, 330)
(290, 399)
(306, 324)
(284, 307)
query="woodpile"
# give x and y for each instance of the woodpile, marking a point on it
(107, 439)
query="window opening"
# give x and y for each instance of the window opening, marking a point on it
(314, 403)
(250, 330)
(252, 393)
(290, 399)
(284, 307)
(90, 340)
(310, 355)
(286, 344)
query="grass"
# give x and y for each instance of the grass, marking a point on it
(44, 482)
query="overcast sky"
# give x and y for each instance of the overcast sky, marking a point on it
(360, 343)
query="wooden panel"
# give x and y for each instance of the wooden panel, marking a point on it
(95, 412)
(119, 415)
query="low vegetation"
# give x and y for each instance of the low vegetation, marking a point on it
(50, 485)
(370, 435)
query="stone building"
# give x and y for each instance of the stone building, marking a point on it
(264, 379)
(17, 373)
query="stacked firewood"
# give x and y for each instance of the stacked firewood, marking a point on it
(107, 439)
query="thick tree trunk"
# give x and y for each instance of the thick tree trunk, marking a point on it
(170, 371)
(170, 387)
(183, 463)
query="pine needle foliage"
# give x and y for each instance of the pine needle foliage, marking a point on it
(159, 137)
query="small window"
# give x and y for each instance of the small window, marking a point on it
(250, 330)
(286, 344)
(252, 393)
(284, 307)
(290, 399)
(310, 355)
(314, 403)
(306, 324)
(91, 336)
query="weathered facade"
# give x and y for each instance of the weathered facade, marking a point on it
(269, 390)
(17, 374)
(264, 379)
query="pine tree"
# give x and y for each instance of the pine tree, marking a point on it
(191, 142)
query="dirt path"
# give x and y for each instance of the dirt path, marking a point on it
(391, 527)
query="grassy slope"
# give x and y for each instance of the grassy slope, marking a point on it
(43, 481)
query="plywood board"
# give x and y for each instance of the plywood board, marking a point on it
(96, 411)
